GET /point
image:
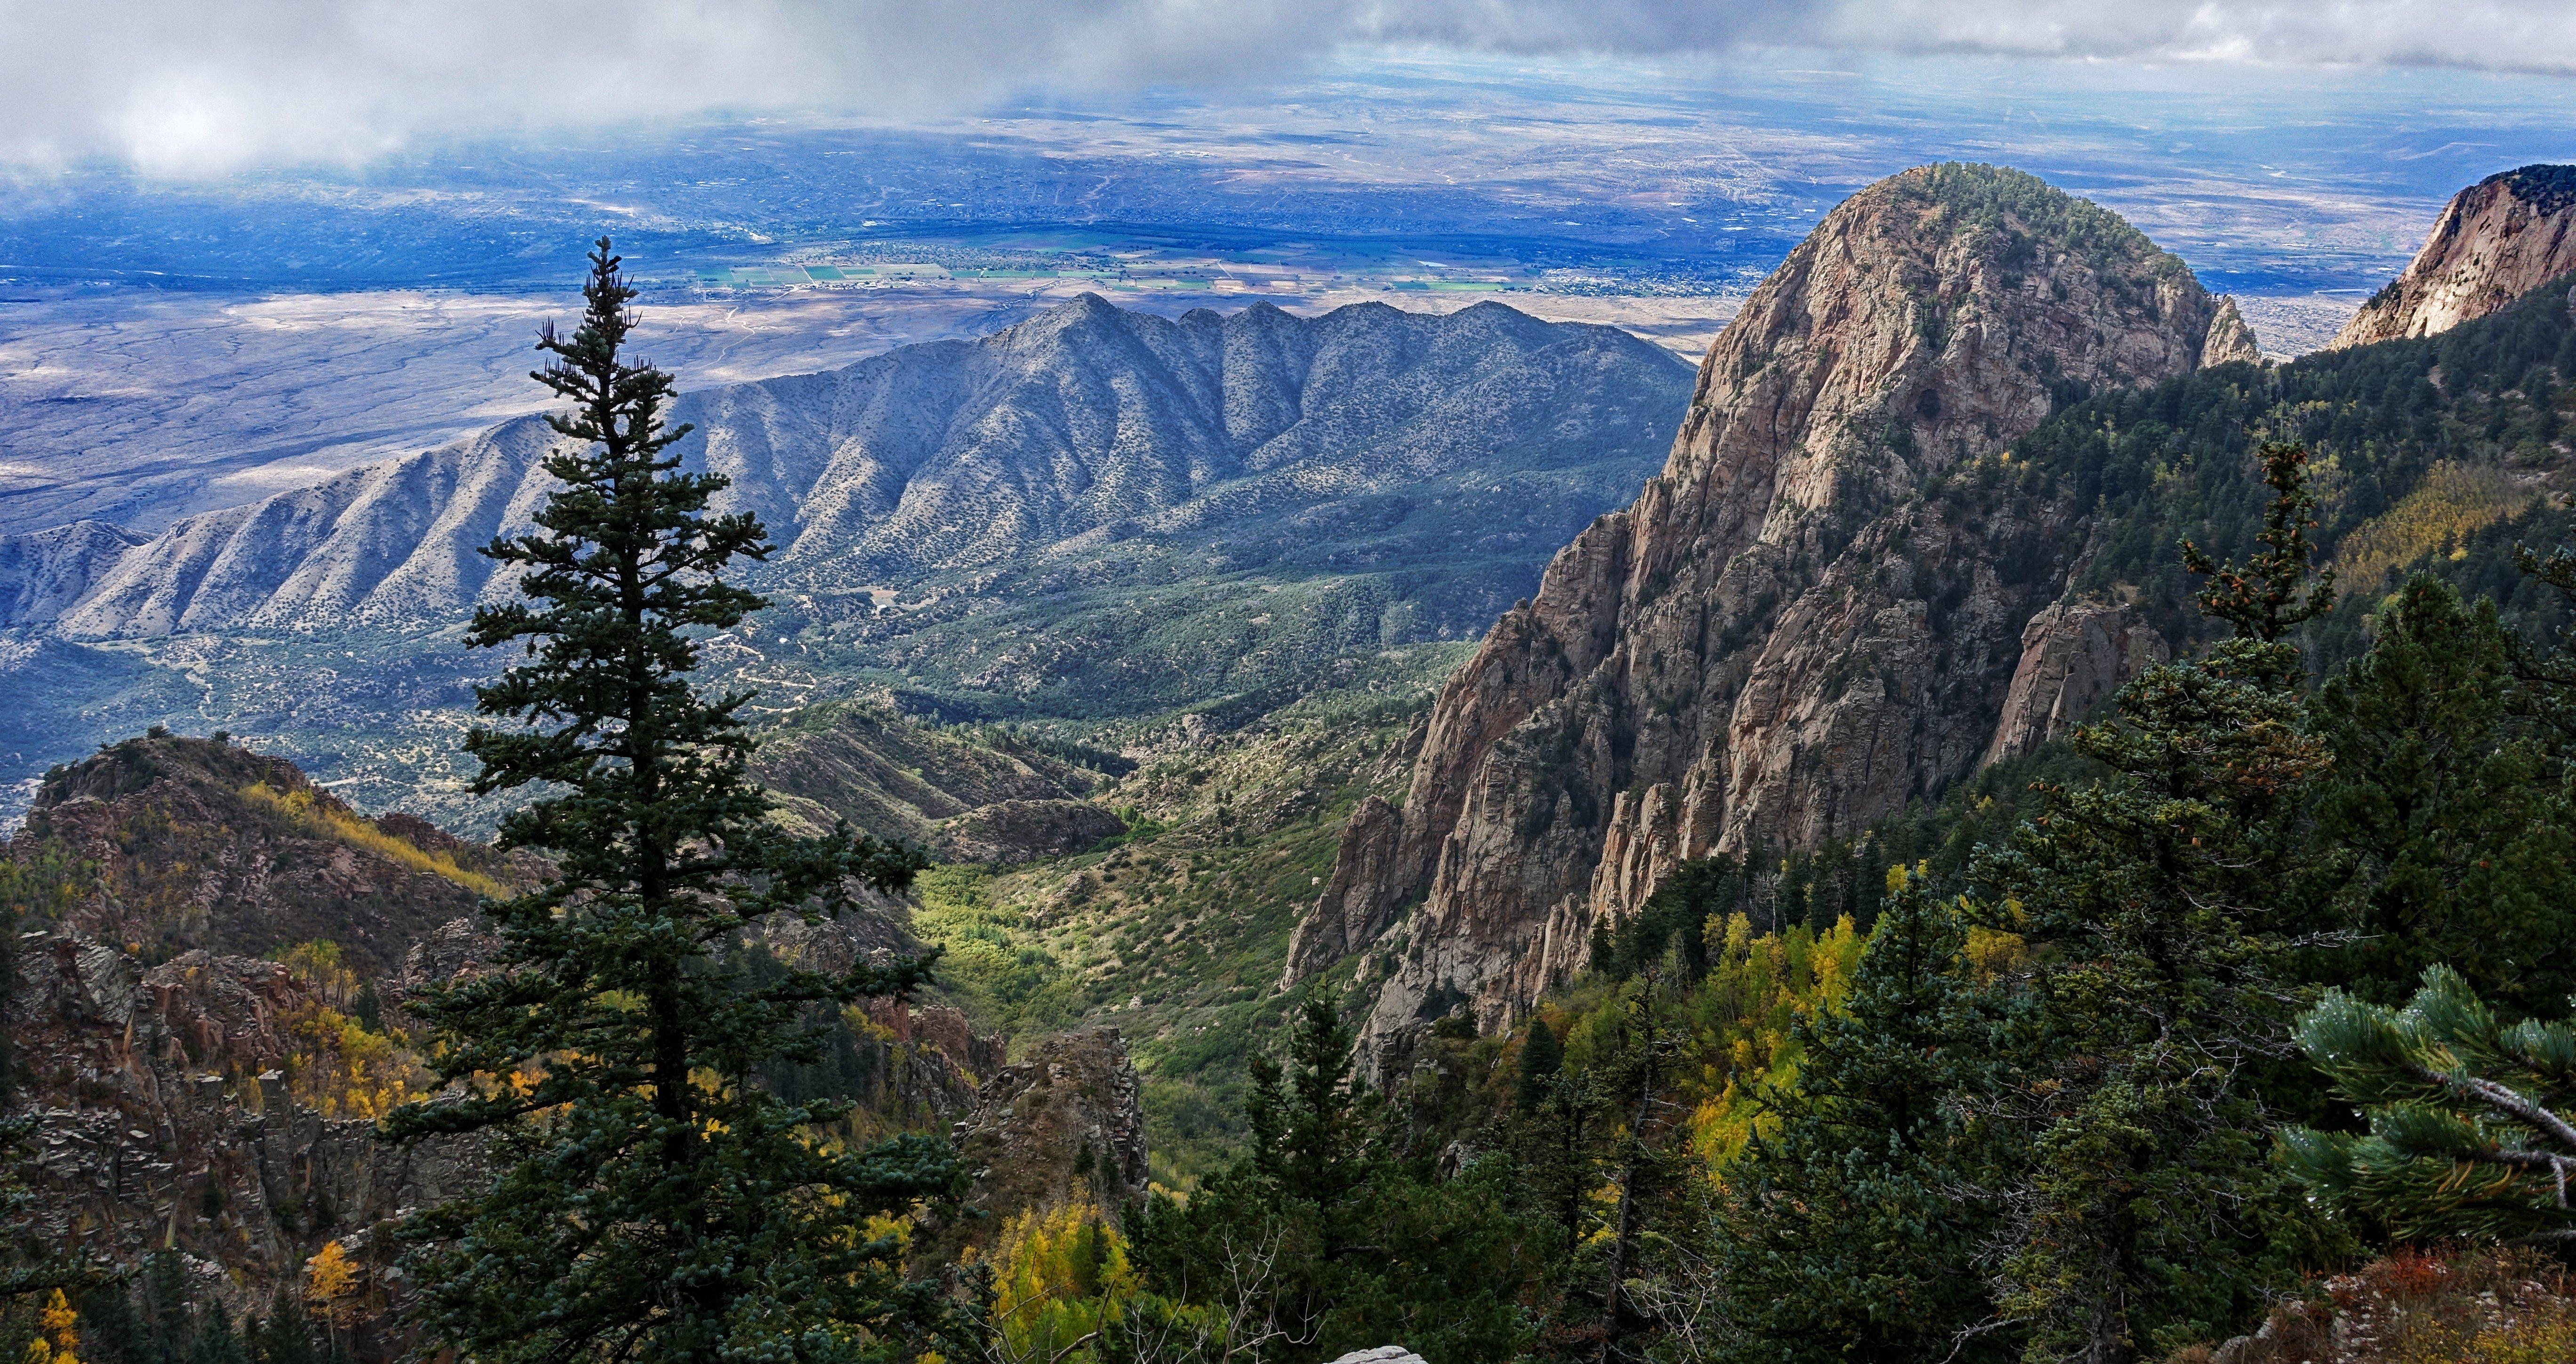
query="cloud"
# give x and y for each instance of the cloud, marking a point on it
(180, 87)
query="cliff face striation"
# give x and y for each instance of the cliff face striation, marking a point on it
(1814, 614)
(2496, 241)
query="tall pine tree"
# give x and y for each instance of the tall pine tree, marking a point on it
(2444, 823)
(1851, 1230)
(2150, 1215)
(652, 1201)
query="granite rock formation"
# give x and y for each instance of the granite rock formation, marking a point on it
(2230, 340)
(1065, 1124)
(2496, 241)
(2074, 657)
(1813, 615)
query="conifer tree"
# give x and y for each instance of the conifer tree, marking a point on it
(216, 1341)
(1851, 1230)
(282, 1337)
(2153, 901)
(652, 1201)
(111, 1331)
(1542, 1058)
(1352, 1242)
(2472, 1122)
(2444, 827)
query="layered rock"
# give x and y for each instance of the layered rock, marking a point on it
(2495, 241)
(1812, 616)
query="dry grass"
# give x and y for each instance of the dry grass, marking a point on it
(2454, 1305)
(332, 820)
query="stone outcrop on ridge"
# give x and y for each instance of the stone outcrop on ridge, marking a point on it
(2495, 241)
(1814, 614)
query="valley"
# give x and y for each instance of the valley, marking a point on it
(1804, 807)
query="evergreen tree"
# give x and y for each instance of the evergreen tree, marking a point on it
(283, 1336)
(2152, 901)
(1851, 1231)
(1542, 1059)
(2446, 836)
(216, 1341)
(169, 1307)
(1327, 1238)
(652, 1201)
(111, 1331)
(2472, 1122)
(1644, 1169)
(1558, 1164)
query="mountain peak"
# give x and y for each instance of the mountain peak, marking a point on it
(1792, 632)
(2547, 188)
(2495, 241)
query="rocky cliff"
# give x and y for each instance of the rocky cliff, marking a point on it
(205, 1105)
(2496, 241)
(1067, 1124)
(204, 844)
(1814, 613)
(2074, 655)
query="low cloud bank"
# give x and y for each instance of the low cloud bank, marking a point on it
(181, 89)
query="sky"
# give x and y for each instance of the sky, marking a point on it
(186, 89)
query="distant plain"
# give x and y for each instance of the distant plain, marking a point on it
(169, 346)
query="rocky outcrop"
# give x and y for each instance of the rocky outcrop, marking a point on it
(1813, 615)
(2230, 340)
(1065, 1124)
(164, 1118)
(2496, 241)
(1353, 909)
(1014, 831)
(2074, 657)
(200, 844)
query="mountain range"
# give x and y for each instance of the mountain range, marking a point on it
(1227, 579)
(1094, 512)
